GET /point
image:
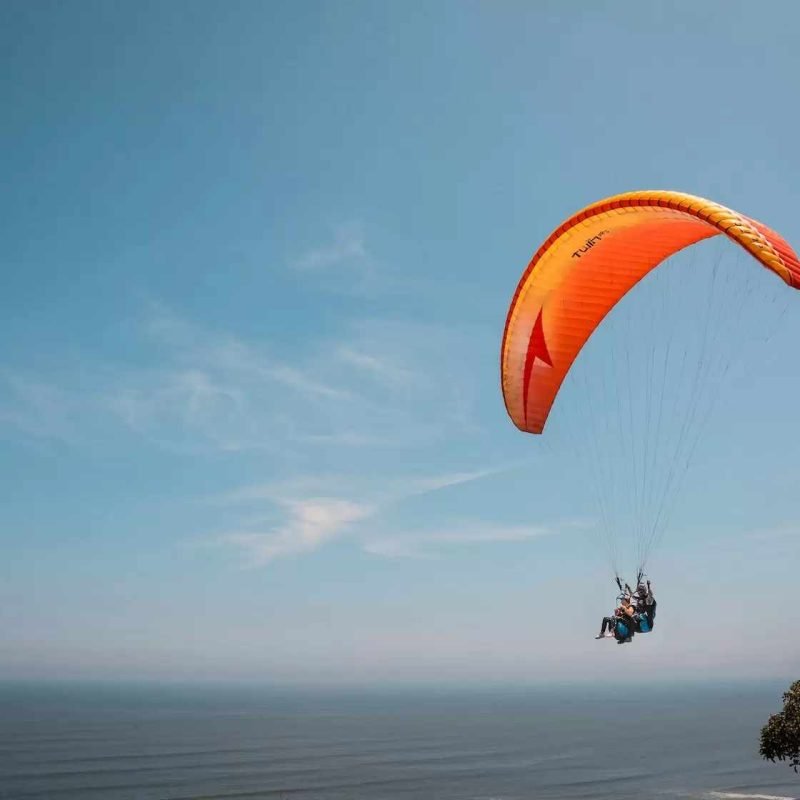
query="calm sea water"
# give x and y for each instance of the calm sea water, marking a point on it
(148, 743)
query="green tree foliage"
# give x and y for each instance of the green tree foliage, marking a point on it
(780, 737)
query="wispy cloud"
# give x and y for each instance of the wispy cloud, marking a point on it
(37, 408)
(377, 385)
(377, 366)
(346, 248)
(415, 486)
(382, 491)
(367, 398)
(248, 396)
(227, 354)
(344, 262)
(782, 532)
(437, 543)
(309, 524)
(318, 509)
(349, 439)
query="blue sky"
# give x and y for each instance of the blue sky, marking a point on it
(257, 258)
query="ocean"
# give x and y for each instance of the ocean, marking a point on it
(546, 743)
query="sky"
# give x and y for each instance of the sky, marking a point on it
(256, 262)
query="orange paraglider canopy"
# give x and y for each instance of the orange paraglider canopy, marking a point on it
(588, 264)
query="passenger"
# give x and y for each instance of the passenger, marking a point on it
(621, 624)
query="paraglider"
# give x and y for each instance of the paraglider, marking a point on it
(588, 264)
(635, 613)
(581, 272)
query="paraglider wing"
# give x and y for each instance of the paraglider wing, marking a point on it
(588, 264)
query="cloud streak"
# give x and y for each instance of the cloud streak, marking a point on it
(785, 532)
(377, 386)
(436, 543)
(383, 491)
(38, 409)
(309, 524)
(347, 247)
(246, 395)
(378, 389)
(319, 509)
(379, 368)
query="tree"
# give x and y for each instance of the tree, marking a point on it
(780, 737)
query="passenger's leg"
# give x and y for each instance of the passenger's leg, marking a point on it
(608, 624)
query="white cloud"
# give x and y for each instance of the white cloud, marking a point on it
(782, 532)
(295, 378)
(429, 544)
(379, 385)
(214, 390)
(436, 482)
(348, 246)
(38, 409)
(228, 355)
(365, 399)
(309, 524)
(377, 366)
(381, 490)
(318, 397)
(343, 262)
(349, 439)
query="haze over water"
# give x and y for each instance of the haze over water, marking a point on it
(178, 743)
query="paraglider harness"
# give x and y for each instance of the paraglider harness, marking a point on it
(624, 626)
(644, 617)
